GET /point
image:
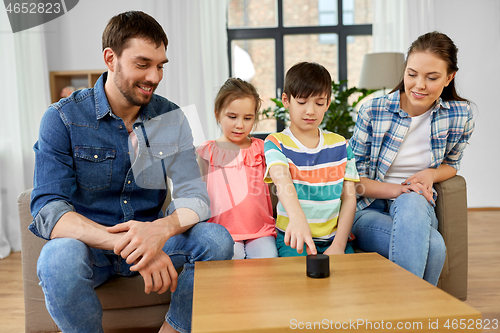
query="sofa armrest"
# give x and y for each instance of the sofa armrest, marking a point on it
(37, 318)
(451, 212)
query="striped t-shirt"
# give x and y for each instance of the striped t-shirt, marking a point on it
(318, 175)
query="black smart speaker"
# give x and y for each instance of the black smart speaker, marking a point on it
(318, 266)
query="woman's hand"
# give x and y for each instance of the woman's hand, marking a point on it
(422, 183)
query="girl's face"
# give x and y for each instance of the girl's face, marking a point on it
(425, 77)
(236, 121)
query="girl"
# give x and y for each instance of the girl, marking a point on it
(404, 142)
(233, 168)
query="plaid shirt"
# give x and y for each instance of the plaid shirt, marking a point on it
(381, 128)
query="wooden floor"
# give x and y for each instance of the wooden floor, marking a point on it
(483, 292)
(484, 264)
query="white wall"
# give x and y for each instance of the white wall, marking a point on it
(474, 26)
(478, 39)
(74, 39)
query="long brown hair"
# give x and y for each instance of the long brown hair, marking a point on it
(442, 46)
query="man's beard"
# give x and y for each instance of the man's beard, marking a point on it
(127, 90)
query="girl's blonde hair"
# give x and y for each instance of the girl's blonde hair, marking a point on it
(233, 89)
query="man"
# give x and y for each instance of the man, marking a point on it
(102, 160)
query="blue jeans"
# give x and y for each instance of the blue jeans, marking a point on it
(262, 247)
(404, 231)
(69, 271)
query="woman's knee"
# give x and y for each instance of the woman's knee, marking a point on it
(437, 246)
(411, 198)
(412, 205)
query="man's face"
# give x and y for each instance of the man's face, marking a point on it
(139, 70)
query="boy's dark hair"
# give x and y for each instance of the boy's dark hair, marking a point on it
(133, 24)
(306, 79)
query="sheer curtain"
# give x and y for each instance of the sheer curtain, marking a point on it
(198, 54)
(390, 26)
(397, 23)
(24, 91)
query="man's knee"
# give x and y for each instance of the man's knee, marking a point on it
(215, 239)
(61, 257)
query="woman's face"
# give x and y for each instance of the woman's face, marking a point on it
(425, 78)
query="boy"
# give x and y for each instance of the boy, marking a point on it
(314, 170)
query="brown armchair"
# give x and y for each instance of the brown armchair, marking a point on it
(124, 303)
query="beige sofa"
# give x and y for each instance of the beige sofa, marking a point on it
(451, 211)
(125, 304)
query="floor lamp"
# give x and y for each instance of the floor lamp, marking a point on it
(380, 71)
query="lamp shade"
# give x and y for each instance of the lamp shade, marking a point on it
(381, 70)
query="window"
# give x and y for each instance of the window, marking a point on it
(266, 37)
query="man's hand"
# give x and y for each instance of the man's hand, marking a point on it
(159, 274)
(297, 233)
(141, 242)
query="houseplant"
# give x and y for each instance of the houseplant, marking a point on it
(338, 118)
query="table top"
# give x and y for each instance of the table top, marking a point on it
(365, 292)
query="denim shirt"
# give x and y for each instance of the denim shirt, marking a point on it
(85, 163)
(381, 128)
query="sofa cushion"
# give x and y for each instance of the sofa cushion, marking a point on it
(124, 292)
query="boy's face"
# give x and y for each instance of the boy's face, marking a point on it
(306, 113)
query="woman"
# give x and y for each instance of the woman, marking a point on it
(404, 142)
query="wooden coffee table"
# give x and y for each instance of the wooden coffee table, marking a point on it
(365, 293)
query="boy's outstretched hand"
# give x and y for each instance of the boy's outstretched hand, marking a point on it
(298, 231)
(297, 234)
